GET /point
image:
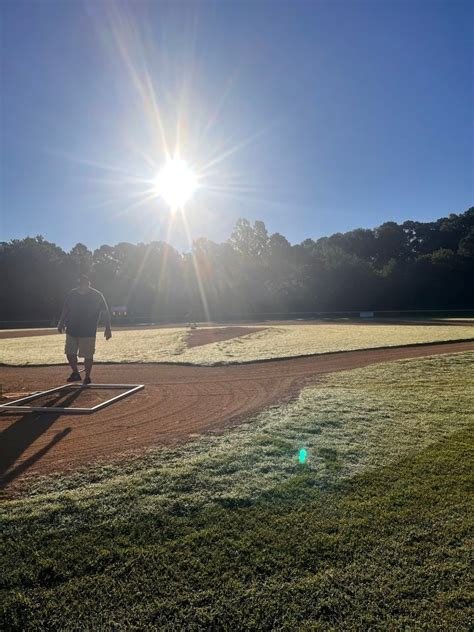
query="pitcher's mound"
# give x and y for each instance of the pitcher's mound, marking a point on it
(205, 336)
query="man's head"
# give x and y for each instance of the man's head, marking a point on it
(84, 283)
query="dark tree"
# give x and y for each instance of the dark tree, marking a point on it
(415, 265)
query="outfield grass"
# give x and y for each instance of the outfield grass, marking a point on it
(233, 532)
(169, 345)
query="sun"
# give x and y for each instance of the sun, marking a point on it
(175, 183)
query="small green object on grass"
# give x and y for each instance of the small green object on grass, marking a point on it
(302, 456)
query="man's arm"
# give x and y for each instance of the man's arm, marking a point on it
(63, 317)
(107, 320)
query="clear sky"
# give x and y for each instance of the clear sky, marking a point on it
(315, 117)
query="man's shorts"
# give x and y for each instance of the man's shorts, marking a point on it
(83, 347)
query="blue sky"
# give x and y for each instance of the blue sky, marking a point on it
(319, 116)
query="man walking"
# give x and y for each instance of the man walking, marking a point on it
(80, 317)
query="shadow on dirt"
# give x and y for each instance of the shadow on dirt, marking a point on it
(17, 438)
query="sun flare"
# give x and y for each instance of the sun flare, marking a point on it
(175, 183)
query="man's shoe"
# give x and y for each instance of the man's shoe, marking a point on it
(87, 380)
(74, 377)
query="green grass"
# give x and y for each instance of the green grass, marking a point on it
(231, 532)
(169, 345)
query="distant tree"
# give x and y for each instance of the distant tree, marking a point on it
(390, 243)
(466, 245)
(415, 265)
(35, 276)
(362, 243)
(249, 240)
(81, 256)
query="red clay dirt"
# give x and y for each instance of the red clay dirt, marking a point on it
(26, 333)
(178, 403)
(206, 335)
(202, 335)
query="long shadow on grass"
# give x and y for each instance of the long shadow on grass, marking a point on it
(15, 439)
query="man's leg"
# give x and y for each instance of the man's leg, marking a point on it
(88, 362)
(86, 351)
(71, 355)
(72, 359)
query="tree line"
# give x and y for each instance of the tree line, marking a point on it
(412, 266)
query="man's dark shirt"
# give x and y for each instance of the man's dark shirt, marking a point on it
(83, 311)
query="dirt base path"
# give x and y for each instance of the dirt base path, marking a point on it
(252, 326)
(178, 402)
(26, 333)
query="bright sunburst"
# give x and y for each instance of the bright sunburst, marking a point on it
(175, 183)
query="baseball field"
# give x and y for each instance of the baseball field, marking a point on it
(268, 476)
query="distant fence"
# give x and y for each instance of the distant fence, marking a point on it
(315, 315)
(167, 319)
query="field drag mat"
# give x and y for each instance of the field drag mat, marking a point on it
(70, 396)
(178, 402)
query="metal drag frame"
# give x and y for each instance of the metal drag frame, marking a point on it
(17, 408)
